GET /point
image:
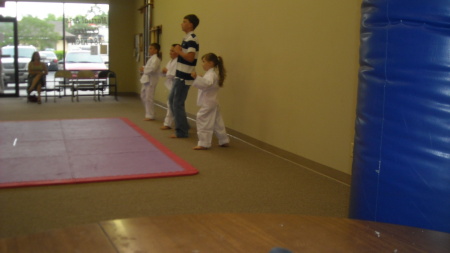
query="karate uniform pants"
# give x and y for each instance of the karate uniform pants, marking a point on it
(209, 122)
(147, 97)
(168, 121)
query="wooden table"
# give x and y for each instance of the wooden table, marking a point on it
(198, 233)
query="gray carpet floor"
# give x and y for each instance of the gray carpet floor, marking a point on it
(239, 179)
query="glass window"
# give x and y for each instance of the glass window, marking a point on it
(59, 28)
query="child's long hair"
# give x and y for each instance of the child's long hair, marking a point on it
(218, 62)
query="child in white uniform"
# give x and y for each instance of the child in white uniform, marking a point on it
(209, 119)
(149, 80)
(169, 73)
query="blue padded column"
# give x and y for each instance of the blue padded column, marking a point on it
(401, 166)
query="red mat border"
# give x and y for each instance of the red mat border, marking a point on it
(188, 169)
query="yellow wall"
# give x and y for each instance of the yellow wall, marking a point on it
(125, 22)
(292, 67)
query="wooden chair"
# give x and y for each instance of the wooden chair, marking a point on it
(85, 81)
(62, 82)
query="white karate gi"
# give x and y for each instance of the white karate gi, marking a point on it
(149, 80)
(171, 67)
(209, 119)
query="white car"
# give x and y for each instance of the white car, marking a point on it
(24, 57)
(84, 60)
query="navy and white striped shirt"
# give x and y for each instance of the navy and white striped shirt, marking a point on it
(185, 68)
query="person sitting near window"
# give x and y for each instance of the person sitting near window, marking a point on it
(37, 71)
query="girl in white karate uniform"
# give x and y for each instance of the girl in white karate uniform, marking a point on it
(209, 119)
(149, 80)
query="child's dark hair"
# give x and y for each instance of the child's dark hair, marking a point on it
(157, 47)
(193, 19)
(218, 62)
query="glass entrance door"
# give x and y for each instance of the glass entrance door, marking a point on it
(10, 72)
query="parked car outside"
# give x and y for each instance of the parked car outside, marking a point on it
(24, 57)
(84, 60)
(50, 59)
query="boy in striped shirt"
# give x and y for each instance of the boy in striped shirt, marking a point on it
(187, 59)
